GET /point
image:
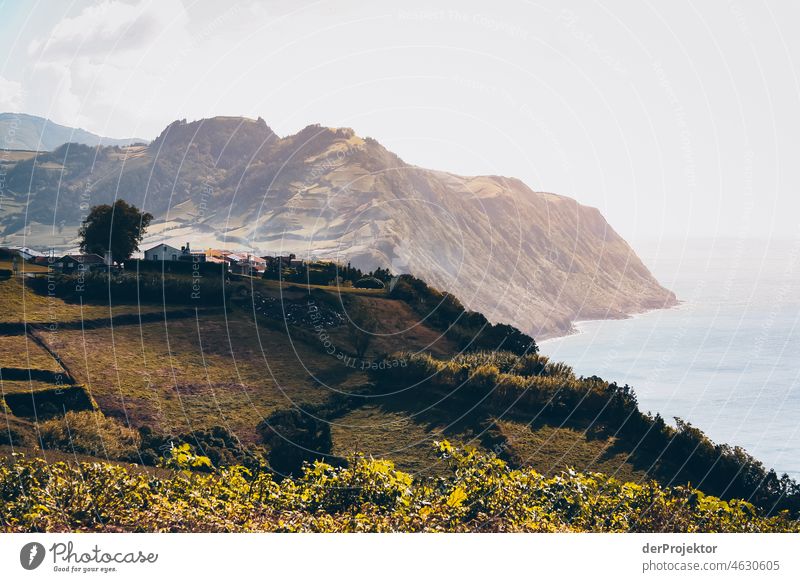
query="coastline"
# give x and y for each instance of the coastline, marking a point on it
(575, 325)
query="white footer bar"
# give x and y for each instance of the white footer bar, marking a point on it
(407, 557)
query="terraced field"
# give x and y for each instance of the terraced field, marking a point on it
(179, 370)
(195, 373)
(20, 351)
(22, 305)
(183, 369)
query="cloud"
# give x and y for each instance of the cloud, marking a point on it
(107, 28)
(96, 69)
(50, 93)
(10, 95)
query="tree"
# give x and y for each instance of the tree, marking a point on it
(362, 327)
(118, 228)
(294, 438)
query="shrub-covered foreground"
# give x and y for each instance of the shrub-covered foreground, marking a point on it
(481, 493)
(506, 384)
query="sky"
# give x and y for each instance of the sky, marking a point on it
(676, 119)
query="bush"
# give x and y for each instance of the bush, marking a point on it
(471, 331)
(294, 438)
(508, 384)
(368, 283)
(480, 493)
(221, 447)
(90, 433)
(127, 287)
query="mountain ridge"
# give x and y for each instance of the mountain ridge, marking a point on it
(21, 131)
(536, 259)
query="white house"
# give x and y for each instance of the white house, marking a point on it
(26, 253)
(162, 252)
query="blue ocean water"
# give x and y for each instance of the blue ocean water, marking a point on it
(727, 359)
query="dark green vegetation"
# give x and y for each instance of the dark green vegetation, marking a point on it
(326, 273)
(530, 389)
(228, 389)
(117, 227)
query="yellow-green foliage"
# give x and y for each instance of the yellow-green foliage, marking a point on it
(184, 457)
(480, 494)
(90, 433)
(506, 384)
(502, 377)
(22, 304)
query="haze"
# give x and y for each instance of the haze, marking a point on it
(675, 119)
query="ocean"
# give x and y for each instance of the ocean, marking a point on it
(727, 359)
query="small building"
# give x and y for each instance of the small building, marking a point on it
(246, 263)
(75, 263)
(25, 253)
(162, 252)
(257, 263)
(218, 256)
(29, 254)
(187, 254)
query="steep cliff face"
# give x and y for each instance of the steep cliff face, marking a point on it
(534, 259)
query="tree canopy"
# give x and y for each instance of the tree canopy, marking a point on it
(118, 228)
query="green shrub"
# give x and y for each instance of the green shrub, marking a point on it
(130, 287)
(294, 438)
(504, 383)
(90, 433)
(479, 493)
(471, 331)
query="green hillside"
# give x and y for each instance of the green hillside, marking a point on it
(272, 376)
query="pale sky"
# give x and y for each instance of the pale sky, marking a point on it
(673, 118)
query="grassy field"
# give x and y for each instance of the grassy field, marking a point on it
(73, 459)
(16, 155)
(399, 328)
(396, 435)
(219, 369)
(19, 386)
(223, 369)
(226, 369)
(270, 284)
(23, 267)
(11, 424)
(22, 305)
(196, 373)
(20, 351)
(551, 449)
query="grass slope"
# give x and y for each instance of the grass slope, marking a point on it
(181, 369)
(22, 305)
(191, 374)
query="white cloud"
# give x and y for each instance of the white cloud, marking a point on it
(96, 69)
(49, 93)
(10, 95)
(107, 28)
